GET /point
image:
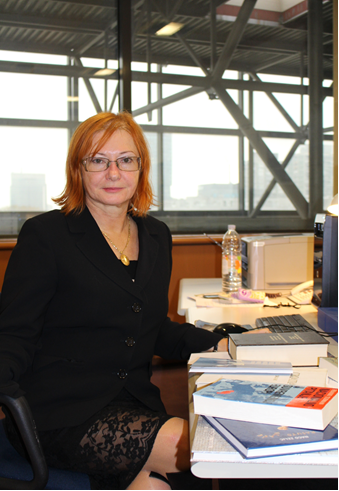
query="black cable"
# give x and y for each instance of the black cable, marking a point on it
(291, 329)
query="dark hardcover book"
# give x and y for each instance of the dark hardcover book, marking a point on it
(298, 348)
(254, 440)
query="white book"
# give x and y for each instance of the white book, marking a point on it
(289, 405)
(332, 383)
(331, 364)
(223, 365)
(208, 354)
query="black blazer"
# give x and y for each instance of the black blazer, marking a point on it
(74, 328)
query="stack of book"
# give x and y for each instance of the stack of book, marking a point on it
(330, 363)
(268, 419)
(267, 409)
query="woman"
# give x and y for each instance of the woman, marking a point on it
(84, 309)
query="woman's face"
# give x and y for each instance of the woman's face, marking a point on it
(112, 187)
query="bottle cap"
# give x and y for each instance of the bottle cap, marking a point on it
(231, 227)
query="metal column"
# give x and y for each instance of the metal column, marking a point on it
(125, 54)
(315, 74)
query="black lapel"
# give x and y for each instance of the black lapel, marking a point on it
(148, 250)
(94, 246)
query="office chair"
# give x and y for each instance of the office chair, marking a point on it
(15, 471)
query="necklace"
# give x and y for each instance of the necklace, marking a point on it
(123, 258)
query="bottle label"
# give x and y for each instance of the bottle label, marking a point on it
(231, 263)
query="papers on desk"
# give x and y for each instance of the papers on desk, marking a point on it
(222, 299)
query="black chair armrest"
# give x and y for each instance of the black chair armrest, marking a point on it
(22, 415)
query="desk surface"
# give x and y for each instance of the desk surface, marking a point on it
(248, 314)
(245, 315)
(194, 286)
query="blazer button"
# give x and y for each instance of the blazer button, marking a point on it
(122, 373)
(130, 341)
(136, 307)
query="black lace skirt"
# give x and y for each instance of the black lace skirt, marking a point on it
(112, 446)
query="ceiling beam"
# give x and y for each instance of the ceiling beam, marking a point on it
(50, 23)
(179, 96)
(154, 77)
(95, 3)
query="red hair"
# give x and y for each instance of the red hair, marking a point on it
(73, 197)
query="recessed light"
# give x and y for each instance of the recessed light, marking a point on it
(104, 72)
(169, 29)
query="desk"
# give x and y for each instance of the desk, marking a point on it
(194, 286)
(248, 469)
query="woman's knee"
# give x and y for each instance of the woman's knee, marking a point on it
(170, 452)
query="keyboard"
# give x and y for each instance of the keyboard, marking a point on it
(284, 323)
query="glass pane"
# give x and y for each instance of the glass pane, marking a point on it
(292, 105)
(183, 70)
(268, 117)
(29, 96)
(104, 90)
(197, 110)
(140, 99)
(297, 169)
(276, 200)
(328, 113)
(42, 82)
(31, 177)
(200, 172)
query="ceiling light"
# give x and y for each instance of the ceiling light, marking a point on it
(169, 29)
(333, 208)
(104, 72)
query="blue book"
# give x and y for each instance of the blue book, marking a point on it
(254, 440)
(276, 404)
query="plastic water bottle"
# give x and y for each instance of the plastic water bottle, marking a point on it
(231, 261)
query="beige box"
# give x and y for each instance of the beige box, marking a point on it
(277, 262)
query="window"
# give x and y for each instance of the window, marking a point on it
(218, 145)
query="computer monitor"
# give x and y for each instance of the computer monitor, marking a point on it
(329, 296)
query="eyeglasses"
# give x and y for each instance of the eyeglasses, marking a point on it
(126, 164)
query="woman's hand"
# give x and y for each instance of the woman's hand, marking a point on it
(223, 345)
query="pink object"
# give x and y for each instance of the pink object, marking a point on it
(250, 295)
